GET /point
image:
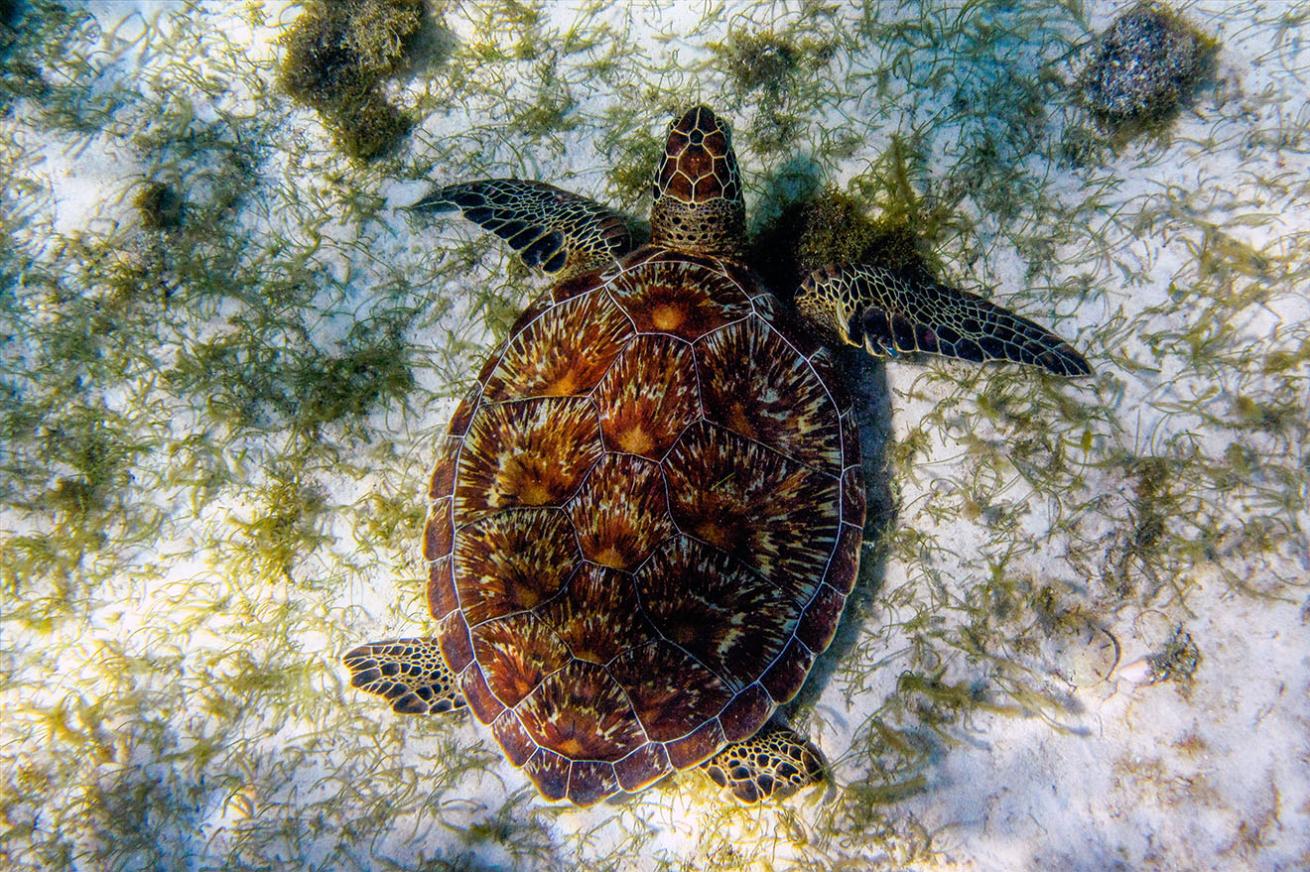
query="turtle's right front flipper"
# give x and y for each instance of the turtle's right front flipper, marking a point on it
(890, 313)
(410, 674)
(551, 229)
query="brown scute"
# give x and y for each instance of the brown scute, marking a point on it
(852, 496)
(688, 298)
(755, 385)
(459, 422)
(528, 453)
(821, 616)
(696, 747)
(670, 692)
(481, 700)
(788, 672)
(441, 588)
(549, 772)
(649, 397)
(620, 512)
(723, 614)
(746, 713)
(845, 564)
(581, 713)
(516, 652)
(439, 531)
(513, 561)
(598, 616)
(562, 355)
(776, 516)
(591, 782)
(442, 482)
(644, 766)
(453, 636)
(513, 738)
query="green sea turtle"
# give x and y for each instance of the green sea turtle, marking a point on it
(646, 515)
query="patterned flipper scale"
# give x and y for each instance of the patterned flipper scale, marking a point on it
(408, 673)
(551, 229)
(891, 313)
(773, 763)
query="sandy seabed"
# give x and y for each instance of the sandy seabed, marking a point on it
(1080, 638)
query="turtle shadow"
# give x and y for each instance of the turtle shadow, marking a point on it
(776, 256)
(866, 384)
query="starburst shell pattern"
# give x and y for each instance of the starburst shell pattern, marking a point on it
(645, 526)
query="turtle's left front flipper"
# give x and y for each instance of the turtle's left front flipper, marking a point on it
(890, 313)
(551, 229)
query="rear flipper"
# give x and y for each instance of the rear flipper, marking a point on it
(774, 763)
(411, 674)
(891, 313)
(550, 229)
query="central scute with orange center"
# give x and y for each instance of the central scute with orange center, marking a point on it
(644, 522)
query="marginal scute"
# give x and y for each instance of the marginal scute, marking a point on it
(550, 772)
(513, 561)
(748, 710)
(788, 672)
(441, 588)
(728, 617)
(753, 383)
(644, 766)
(442, 481)
(563, 353)
(516, 652)
(697, 746)
(852, 496)
(649, 396)
(845, 564)
(459, 422)
(513, 739)
(453, 636)
(526, 453)
(821, 616)
(581, 713)
(439, 531)
(481, 700)
(591, 781)
(670, 692)
(679, 297)
(620, 512)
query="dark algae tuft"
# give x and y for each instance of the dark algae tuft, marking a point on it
(160, 206)
(1145, 65)
(338, 55)
(829, 226)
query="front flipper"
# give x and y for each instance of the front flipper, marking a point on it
(775, 762)
(890, 313)
(549, 228)
(411, 674)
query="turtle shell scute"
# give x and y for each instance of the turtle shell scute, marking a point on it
(678, 297)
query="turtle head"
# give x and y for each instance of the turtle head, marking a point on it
(698, 202)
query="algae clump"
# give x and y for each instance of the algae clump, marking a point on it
(338, 55)
(1145, 66)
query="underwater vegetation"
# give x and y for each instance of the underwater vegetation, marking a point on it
(1145, 64)
(339, 54)
(225, 361)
